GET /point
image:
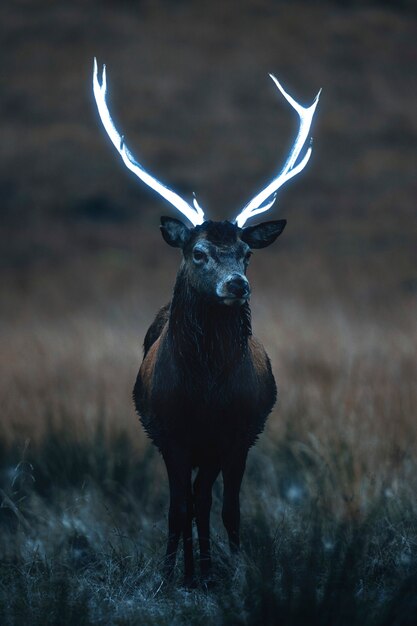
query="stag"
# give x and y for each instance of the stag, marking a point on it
(205, 387)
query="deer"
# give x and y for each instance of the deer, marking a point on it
(205, 386)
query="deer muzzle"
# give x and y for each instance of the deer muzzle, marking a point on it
(234, 289)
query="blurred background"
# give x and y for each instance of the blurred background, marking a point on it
(84, 269)
(189, 88)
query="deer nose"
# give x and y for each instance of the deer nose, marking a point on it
(237, 286)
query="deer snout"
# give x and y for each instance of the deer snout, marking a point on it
(238, 286)
(235, 288)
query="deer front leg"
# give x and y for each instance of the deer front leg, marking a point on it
(189, 578)
(179, 476)
(233, 472)
(203, 486)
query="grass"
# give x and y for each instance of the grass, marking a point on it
(83, 534)
(329, 528)
(328, 502)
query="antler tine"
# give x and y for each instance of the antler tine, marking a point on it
(194, 214)
(261, 202)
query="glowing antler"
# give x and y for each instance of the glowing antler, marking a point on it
(262, 201)
(194, 214)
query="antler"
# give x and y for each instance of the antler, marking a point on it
(194, 214)
(262, 202)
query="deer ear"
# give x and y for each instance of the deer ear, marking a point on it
(175, 233)
(262, 235)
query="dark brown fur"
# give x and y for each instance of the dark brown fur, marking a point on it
(203, 393)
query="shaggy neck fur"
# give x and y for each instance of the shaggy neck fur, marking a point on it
(208, 338)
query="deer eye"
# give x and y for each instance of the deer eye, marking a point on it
(248, 256)
(199, 256)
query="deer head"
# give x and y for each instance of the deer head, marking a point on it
(216, 255)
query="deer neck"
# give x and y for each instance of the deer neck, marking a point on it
(207, 336)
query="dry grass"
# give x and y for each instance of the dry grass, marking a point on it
(329, 537)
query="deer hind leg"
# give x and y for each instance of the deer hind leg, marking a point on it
(179, 476)
(233, 472)
(203, 486)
